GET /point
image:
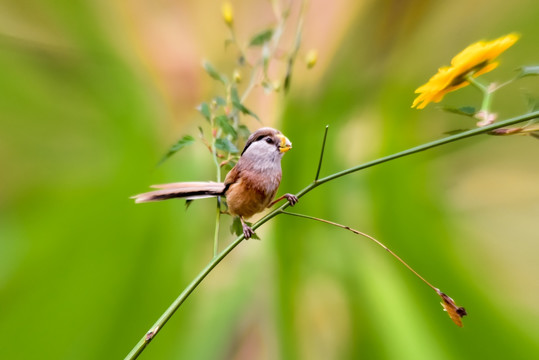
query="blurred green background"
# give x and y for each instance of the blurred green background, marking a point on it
(93, 93)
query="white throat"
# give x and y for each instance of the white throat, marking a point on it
(262, 157)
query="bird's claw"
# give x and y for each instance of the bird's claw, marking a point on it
(292, 199)
(247, 231)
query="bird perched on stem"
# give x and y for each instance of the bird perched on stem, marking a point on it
(250, 186)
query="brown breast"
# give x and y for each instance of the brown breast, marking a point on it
(251, 193)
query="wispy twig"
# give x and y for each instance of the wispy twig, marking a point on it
(321, 154)
(455, 312)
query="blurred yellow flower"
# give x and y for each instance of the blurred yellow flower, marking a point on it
(236, 75)
(311, 58)
(475, 60)
(228, 14)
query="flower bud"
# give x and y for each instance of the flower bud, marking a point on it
(311, 58)
(485, 118)
(506, 131)
(455, 312)
(228, 15)
(236, 76)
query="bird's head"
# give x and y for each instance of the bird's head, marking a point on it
(267, 140)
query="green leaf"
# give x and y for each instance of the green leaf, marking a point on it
(533, 102)
(204, 109)
(245, 110)
(213, 73)
(288, 76)
(183, 142)
(226, 145)
(528, 71)
(219, 101)
(465, 110)
(235, 227)
(239, 106)
(266, 59)
(224, 124)
(261, 38)
(234, 95)
(243, 131)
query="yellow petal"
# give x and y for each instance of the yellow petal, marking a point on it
(476, 59)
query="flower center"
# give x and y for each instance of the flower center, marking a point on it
(459, 79)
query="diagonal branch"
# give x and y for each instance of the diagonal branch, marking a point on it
(429, 145)
(449, 304)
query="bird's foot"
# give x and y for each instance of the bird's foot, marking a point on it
(247, 231)
(292, 199)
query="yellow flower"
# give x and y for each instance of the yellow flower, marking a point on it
(475, 60)
(228, 14)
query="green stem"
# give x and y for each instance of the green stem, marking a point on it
(217, 227)
(321, 154)
(141, 345)
(273, 47)
(426, 146)
(150, 335)
(487, 94)
(478, 84)
(218, 172)
(485, 105)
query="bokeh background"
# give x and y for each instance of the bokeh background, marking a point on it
(93, 93)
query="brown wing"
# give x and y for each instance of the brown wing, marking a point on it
(232, 177)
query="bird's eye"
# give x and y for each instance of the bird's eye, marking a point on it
(269, 140)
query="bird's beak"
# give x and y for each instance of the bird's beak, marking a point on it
(285, 144)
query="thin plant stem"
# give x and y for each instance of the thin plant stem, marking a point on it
(217, 228)
(297, 42)
(299, 29)
(368, 237)
(321, 153)
(251, 85)
(141, 345)
(499, 86)
(454, 311)
(486, 91)
(150, 335)
(218, 176)
(478, 84)
(423, 147)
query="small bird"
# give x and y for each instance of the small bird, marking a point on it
(250, 186)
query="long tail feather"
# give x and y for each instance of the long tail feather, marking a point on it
(185, 184)
(187, 190)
